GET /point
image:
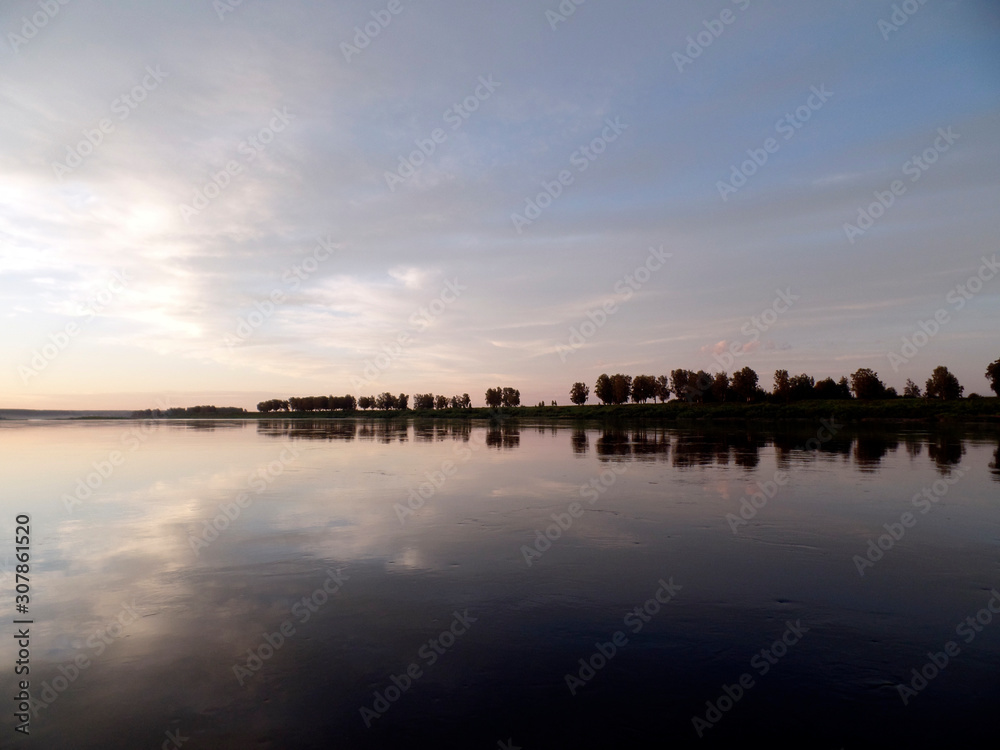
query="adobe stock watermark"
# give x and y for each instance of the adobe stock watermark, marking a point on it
(292, 277)
(427, 654)
(420, 320)
(44, 355)
(625, 289)
(714, 28)
(752, 330)
(914, 168)
(133, 439)
(437, 478)
(958, 297)
(249, 149)
(761, 663)
(30, 27)
(591, 491)
(258, 481)
(786, 127)
(581, 159)
(562, 13)
(635, 620)
(967, 629)
(122, 106)
(901, 13)
(923, 501)
(70, 671)
(224, 7)
(768, 490)
(456, 116)
(174, 740)
(369, 30)
(302, 611)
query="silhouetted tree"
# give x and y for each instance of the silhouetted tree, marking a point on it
(745, 384)
(866, 385)
(844, 386)
(662, 388)
(402, 401)
(603, 389)
(579, 393)
(827, 388)
(993, 375)
(494, 397)
(274, 404)
(911, 390)
(621, 388)
(801, 387)
(679, 383)
(510, 397)
(942, 384)
(385, 401)
(720, 387)
(441, 402)
(643, 388)
(423, 400)
(782, 385)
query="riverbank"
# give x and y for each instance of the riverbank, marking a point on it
(983, 410)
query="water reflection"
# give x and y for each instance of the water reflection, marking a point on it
(479, 493)
(946, 450)
(870, 449)
(995, 464)
(505, 436)
(301, 429)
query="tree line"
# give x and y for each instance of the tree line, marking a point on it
(743, 386)
(385, 402)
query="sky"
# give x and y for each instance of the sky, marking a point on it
(224, 202)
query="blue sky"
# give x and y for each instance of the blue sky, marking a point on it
(216, 306)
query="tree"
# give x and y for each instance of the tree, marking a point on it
(510, 397)
(423, 400)
(402, 401)
(826, 388)
(801, 387)
(782, 385)
(603, 389)
(845, 388)
(942, 384)
(494, 396)
(720, 387)
(679, 383)
(466, 401)
(441, 402)
(643, 388)
(993, 375)
(662, 388)
(866, 385)
(274, 404)
(621, 388)
(699, 384)
(745, 384)
(579, 393)
(912, 390)
(366, 402)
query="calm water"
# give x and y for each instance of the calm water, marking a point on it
(368, 585)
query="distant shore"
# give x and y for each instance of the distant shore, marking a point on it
(847, 410)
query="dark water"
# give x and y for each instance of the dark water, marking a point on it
(336, 607)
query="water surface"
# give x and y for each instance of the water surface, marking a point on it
(269, 584)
